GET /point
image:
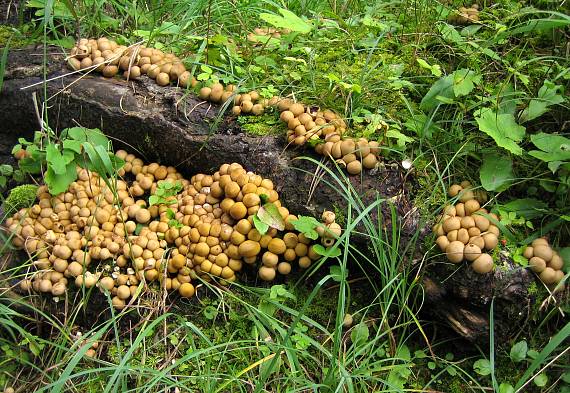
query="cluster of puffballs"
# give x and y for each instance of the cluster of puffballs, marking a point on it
(544, 261)
(109, 58)
(464, 233)
(206, 230)
(465, 15)
(324, 128)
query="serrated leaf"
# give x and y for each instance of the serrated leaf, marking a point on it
(288, 20)
(58, 183)
(496, 173)
(72, 145)
(269, 214)
(261, 227)
(502, 128)
(518, 351)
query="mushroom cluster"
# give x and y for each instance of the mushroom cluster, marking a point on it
(465, 15)
(109, 58)
(261, 32)
(464, 230)
(544, 261)
(204, 227)
(323, 128)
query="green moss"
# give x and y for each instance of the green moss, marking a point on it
(266, 124)
(17, 40)
(20, 197)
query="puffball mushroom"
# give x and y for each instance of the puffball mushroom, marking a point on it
(483, 264)
(454, 251)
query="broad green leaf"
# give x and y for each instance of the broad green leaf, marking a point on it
(6, 170)
(92, 135)
(269, 214)
(548, 95)
(441, 88)
(306, 225)
(506, 388)
(554, 147)
(72, 145)
(359, 335)
(261, 227)
(288, 20)
(336, 273)
(56, 160)
(496, 173)
(540, 380)
(58, 183)
(422, 125)
(528, 208)
(401, 138)
(482, 367)
(502, 128)
(434, 69)
(518, 351)
(464, 81)
(331, 252)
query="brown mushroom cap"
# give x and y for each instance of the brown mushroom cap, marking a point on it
(454, 251)
(483, 264)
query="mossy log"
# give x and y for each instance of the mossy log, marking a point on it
(174, 127)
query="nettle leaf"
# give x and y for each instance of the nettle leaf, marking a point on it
(269, 214)
(496, 173)
(553, 147)
(58, 183)
(502, 128)
(306, 225)
(91, 135)
(518, 351)
(548, 95)
(464, 81)
(288, 20)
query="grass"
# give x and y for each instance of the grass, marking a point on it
(361, 60)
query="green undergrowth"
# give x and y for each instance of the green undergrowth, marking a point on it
(266, 124)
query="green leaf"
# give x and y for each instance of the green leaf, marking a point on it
(153, 200)
(528, 208)
(441, 88)
(269, 214)
(402, 139)
(261, 227)
(496, 173)
(91, 135)
(55, 159)
(434, 69)
(540, 380)
(359, 335)
(554, 147)
(502, 128)
(58, 183)
(518, 351)
(72, 145)
(548, 95)
(306, 225)
(464, 81)
(6, 170)
(331, 252)
(336, 273)
(506, 388)
(288, 20)
(482, 367)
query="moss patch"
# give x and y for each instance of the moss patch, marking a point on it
(267, 124)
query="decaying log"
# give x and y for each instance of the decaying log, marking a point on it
(169, 125)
